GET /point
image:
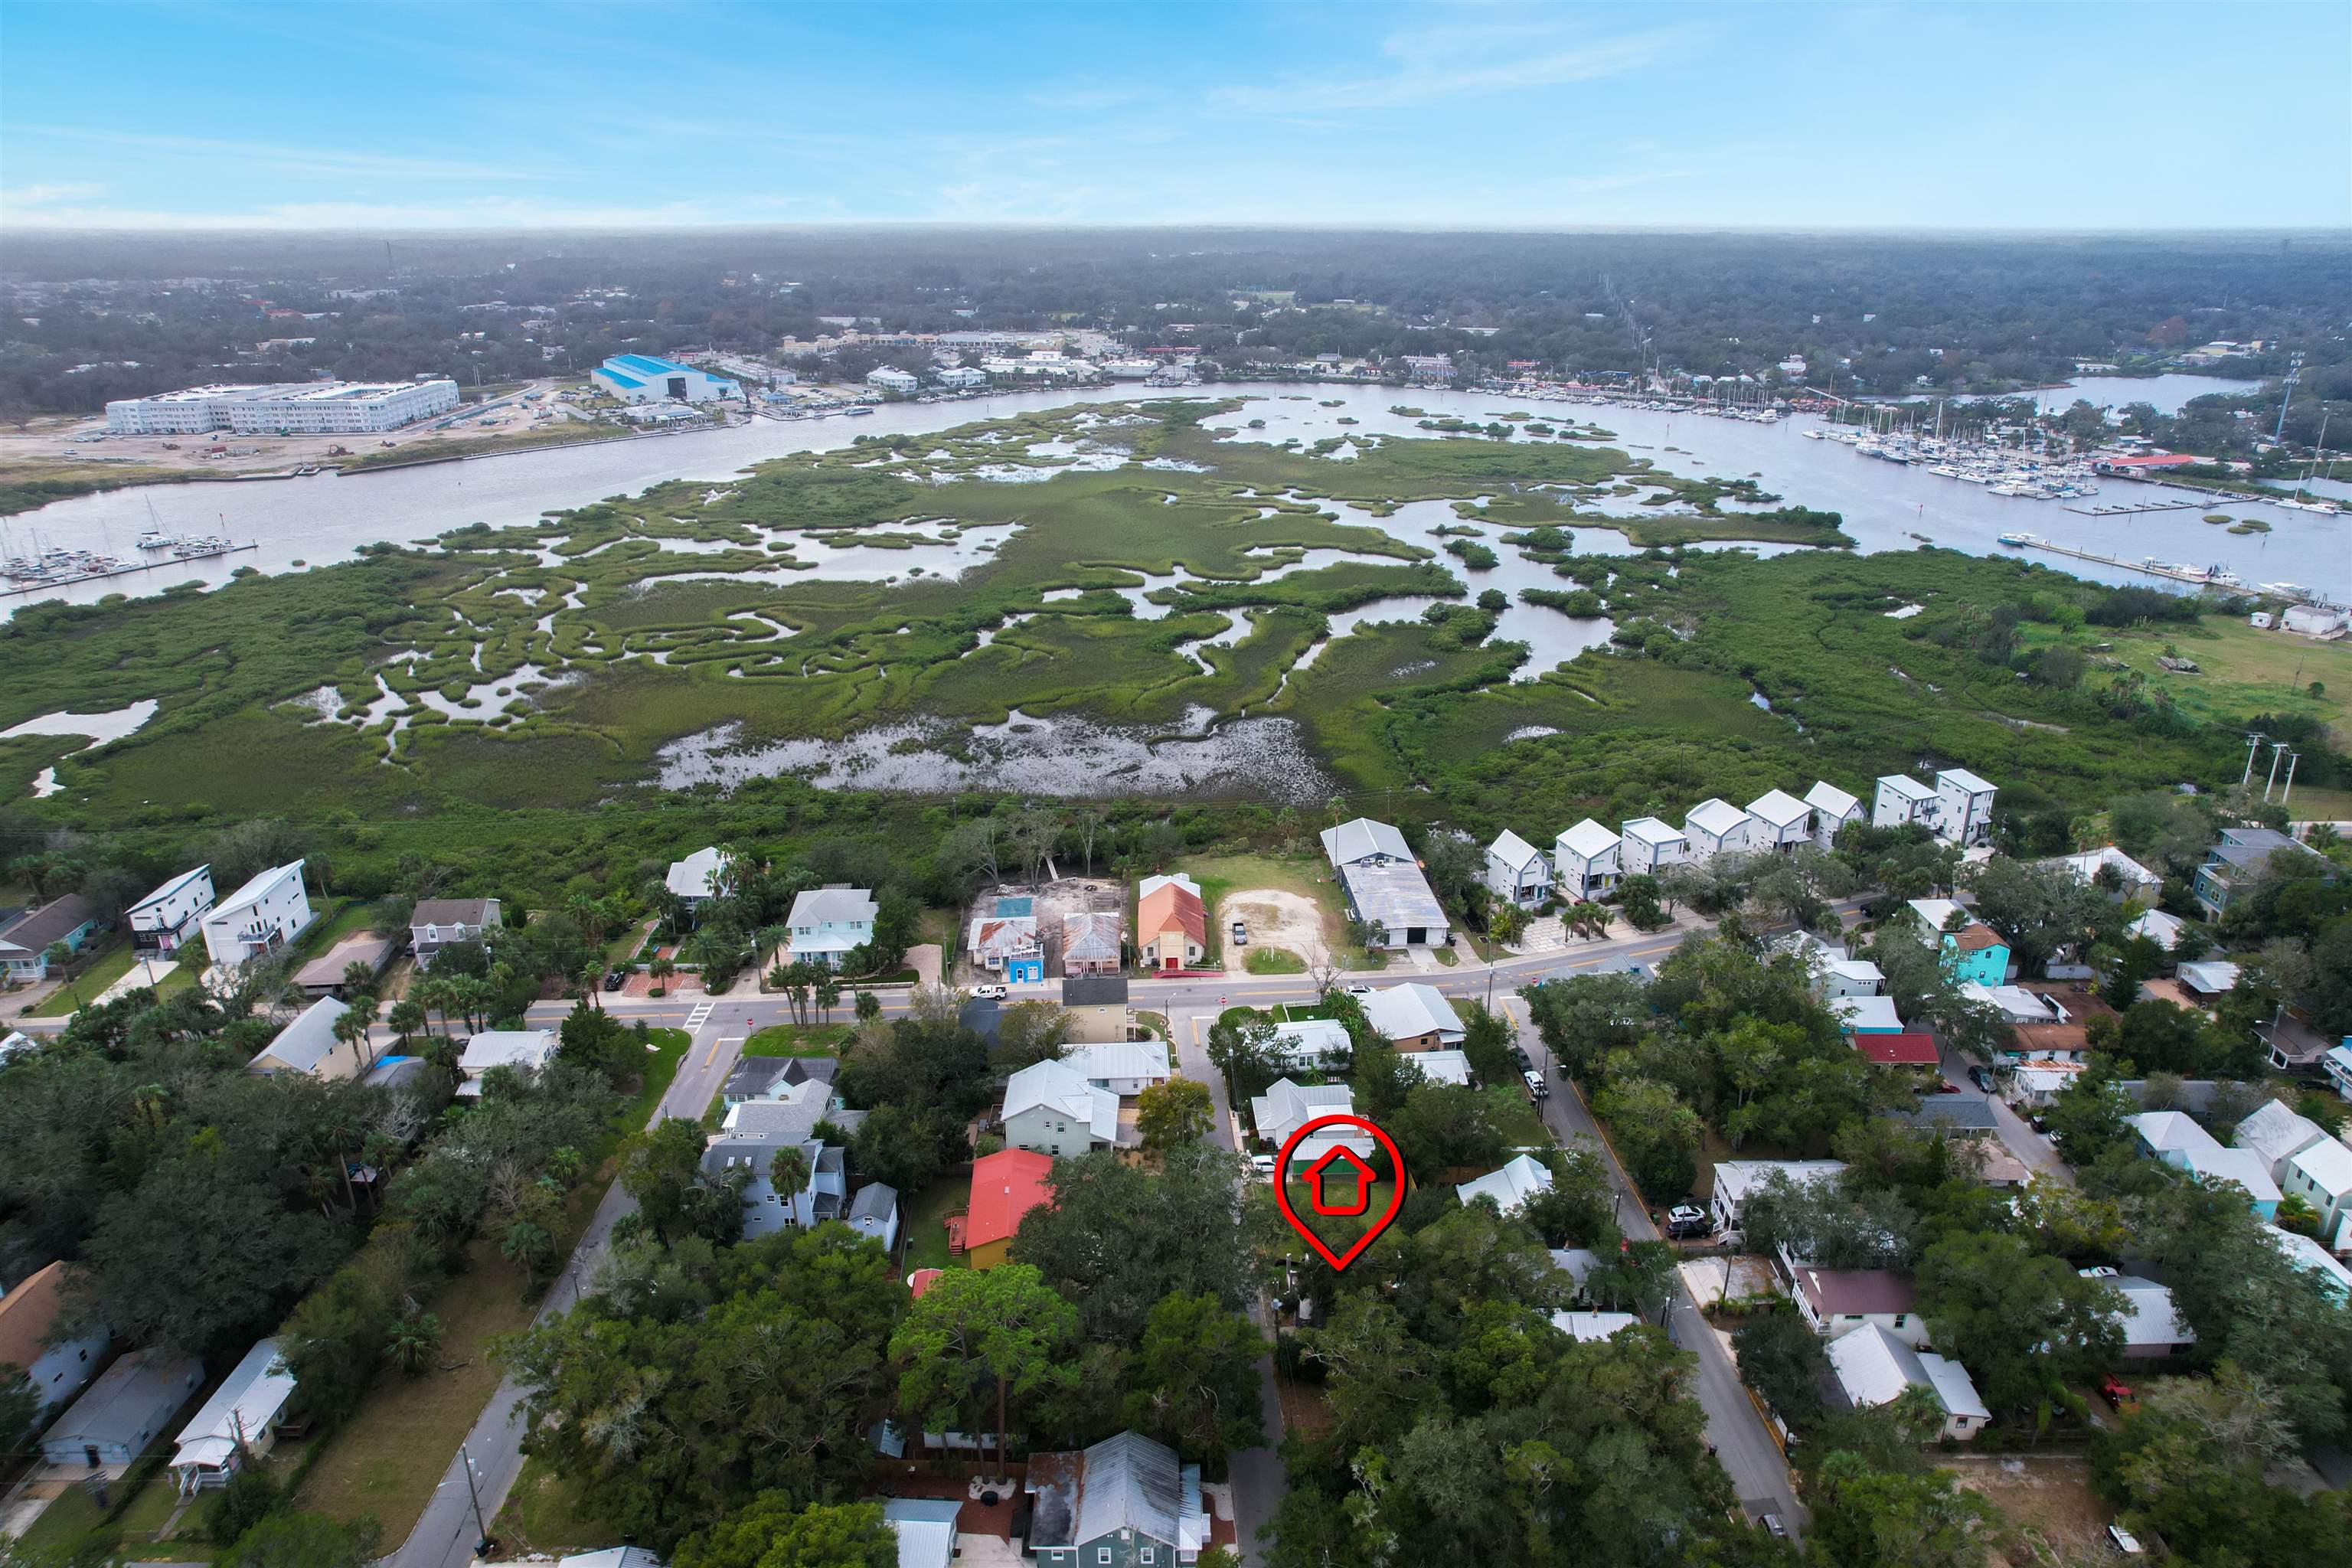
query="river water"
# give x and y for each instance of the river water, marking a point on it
(318, 521)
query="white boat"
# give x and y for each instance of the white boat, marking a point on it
(2018, 540)
(156, 539)
(1811, 434)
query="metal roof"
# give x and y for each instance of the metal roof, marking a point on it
(1513, 850)
(1124, 1483)
(240, 1409)
(167, 890)
(1778, 807)
(1714, 816)
(309, 1039)
(1588, 840)
(1395, 895)
(1407, 1011)
(1826, 796)
(875, 1201)
(1363, 840)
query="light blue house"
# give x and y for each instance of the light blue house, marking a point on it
(1974, 953)
(2174, 1138)
(26, 939)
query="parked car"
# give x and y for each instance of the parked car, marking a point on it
(1520, 1055)
(1687, 1219)
(993, 991)
(616, 978)
(1241, 934)
(1773, 1527)
(1946, 1086)
(2123, 1541)
(1262, 1164)
(1360, 991)
(1536, 1088)
(2118, 1395)
(1981, 1077)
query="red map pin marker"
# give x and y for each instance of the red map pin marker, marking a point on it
(1340, 1182)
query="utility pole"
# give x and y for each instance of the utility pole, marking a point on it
(2276, 748)
(2291, 758)
(2287, 395)
(481, 1530)
(2254, 745)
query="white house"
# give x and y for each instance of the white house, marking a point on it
(2172, 1137)
(890, 378)
(532, 1049)
(1834, 973)
(1125, 1068)
(874, 1212)
(1840, 1301)
(1288, 1106)
(1307, 1044)
(309, 1045)
(1051, 1108)
(1715, 826)
(1832, 809)
(1362, 842)
(2277, 1134)
(1650, 846)
(1782, 822)
(960, 378)
(239, 1421)
(1963, 807)
(1872, 1368)
(744, 1148)
(2159, 927)
(173, 913)
(1586, 859)
(1515, 870)
(2136, 879)
(827, 921)
(1414, 1016)
(265, 914)
(1443, 1066)
(699, 876)
(1866, 1014)
(1384, 885)
(1510, 1187)
(118, 1416)
(2338, 1065)
(2321, 1175)
(1901, 801)
(28, 1312)
(1736, 1179)
(2152, 1326)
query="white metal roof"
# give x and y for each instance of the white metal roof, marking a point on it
(1511, 1187)
(1857, 1012)
(2086, 865)
(1101, 1061)
(2326, 1164)
(2148, 1317)
(1403, 1012)
(1361, 839)
(1591, 1328)
(167, 890)
(2276, 1133)
(1826, 796)
(1963, 779)
(500, 1048)
(255, 889)
(1778, 807)
(1714, 816)
(2309, 1255)
(1442, 1067)
(1906, 786)
(833, 906)
(2211, 978)
(1514, 851)
(1735, 1179)
(241, 1409)
(2159, 927)
(1934, 913)
(697, 876)
(1588, 840)
(309, 1039)
(1650, 830)
(1873, 1367)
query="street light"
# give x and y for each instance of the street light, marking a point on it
(482, 1541)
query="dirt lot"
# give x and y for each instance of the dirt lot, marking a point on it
(2047, 1497)
(1276, 919)
(1069, 896)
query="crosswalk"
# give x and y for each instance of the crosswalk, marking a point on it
(701, 1015)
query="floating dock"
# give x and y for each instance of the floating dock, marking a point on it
(16, 590)
(2188, 575)
(2130, 508)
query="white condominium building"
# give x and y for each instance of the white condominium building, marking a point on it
(290, 408)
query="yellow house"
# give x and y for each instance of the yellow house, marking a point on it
(1097, 1004)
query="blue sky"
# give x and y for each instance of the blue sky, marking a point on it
(1490, 115)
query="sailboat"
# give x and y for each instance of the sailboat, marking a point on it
(2324, 507)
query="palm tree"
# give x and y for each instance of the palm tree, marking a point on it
(351, 1029)
(789, 1174)
(432, 994)
(661, 969)
(407, 1017)
(828, 994)
(415, 1340)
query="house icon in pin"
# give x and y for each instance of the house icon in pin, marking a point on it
(1354, 1189)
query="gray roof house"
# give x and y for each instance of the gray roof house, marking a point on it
(120, 1414)
(770, 1077)
(309, 1045)
(1124, 1502)
(1959, 1115)
(438, 922)
(874, 1212)
(25, 942)
(926, 1529)
(1354, 843)
(747, 1142)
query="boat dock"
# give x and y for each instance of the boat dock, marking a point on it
(2127, 509)
(17, 589)
(2193, 576)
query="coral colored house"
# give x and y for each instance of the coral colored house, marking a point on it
(1172, 925)
(1004, 1186)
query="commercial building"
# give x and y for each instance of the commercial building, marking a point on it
(642, 378)
(288, 408)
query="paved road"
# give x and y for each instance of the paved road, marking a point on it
(2037, 1152)
(1742, 1444)
(444, 1534)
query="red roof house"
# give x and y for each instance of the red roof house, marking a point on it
(1004, 1186)
(1904, 1050)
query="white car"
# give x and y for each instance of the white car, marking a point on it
(1262, 1164)
(991, 991)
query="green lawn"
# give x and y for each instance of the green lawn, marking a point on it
(546, 1514)
(351, 915)
(108, 967)
(926, 1226)
(661, 1066)
(1274, 961)
(800, 1040)
(1307, 876)
(1338, 1231)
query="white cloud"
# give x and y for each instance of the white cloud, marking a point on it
(1432, 64)
(41, 195)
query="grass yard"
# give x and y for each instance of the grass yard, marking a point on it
(800, 1040)
(661, 1066)
(1340, 1231)
(108, 967)
(926, 1223)
(545, 1515)
(1274, 961)
(351, 915)
(1307, 877)
(2245, 671)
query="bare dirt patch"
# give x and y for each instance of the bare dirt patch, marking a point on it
(2046, 1497)
(1276, 919)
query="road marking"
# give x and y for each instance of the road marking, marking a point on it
(701, 1015)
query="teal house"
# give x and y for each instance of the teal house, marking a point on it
(1972, 952)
